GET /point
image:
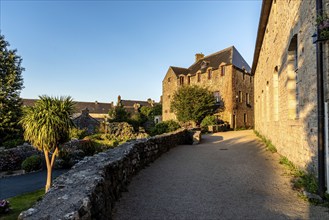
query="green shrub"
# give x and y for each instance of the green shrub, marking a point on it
(209, 120)
(32, 163)
(94, 137)
(88, 147)
(13, 143)
(164, 127)
(172, 125)
(78, 133)
(159, 128)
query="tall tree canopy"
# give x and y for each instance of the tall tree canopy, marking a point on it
(192, 103)
(47, 125)
(11, 83)
(151, 111)
(119, 114)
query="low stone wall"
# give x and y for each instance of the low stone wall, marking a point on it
(90, 188)
(11, 159)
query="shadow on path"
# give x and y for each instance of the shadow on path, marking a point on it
(228, 176)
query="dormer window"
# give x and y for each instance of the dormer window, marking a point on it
(204, 64)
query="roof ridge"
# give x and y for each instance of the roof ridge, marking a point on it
(178, 67)
(218, 52)
(92, 102)
(133, 100)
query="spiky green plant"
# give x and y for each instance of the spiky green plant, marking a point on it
(47, 125)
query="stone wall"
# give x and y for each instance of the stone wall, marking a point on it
(227, 85)
(169, 86)
(243, 109)
(285, 83)
(90, 188)
(11, 159)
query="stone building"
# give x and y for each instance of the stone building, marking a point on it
(285, 72)
(100, 110)
(226, 74)
(132, 106)
(85, 121)
(97, 110)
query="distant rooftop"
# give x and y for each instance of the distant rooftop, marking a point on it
(229, 55)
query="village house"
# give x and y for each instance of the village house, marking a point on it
(224, 73)
(290, 55)
(90, 115)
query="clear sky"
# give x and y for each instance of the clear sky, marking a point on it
(97, 50)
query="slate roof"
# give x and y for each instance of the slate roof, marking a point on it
(96, 107)
(229, 55)
(180, 70)
(93, 107)
(130, 103)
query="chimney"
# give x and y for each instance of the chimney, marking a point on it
(199, 56)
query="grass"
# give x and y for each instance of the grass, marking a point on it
(267, 142)
(21, 203)
(302, 181)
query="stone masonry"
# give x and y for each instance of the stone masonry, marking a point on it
(90, 188)
(226, 74)
(285, 80)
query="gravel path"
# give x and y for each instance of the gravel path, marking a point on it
(229, 176)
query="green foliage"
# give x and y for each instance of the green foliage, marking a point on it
(165, 127)
(149, 112)
(13, 143)
(157, 109)
(89, 148)
(47, 124)
(11, 84)
(119, 114)
(106, 140)
(302, 180)
(21, 203)
(319, 19)
(32, 163)
(192, 103)
(172, 125)
(137, 120)
(146, 111)
(77, 133)
(209, 120)
(267, 142)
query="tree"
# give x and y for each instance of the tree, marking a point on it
(151, 111)
(192, 103)
(47, 125)
(11, 83)
(119, 114)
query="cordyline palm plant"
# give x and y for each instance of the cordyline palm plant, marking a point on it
(46, 125)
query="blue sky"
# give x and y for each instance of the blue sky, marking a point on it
(97, 50)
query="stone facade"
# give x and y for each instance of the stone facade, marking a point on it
(85, 121)
(226, 74)
(90, 188)
(285, 79)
